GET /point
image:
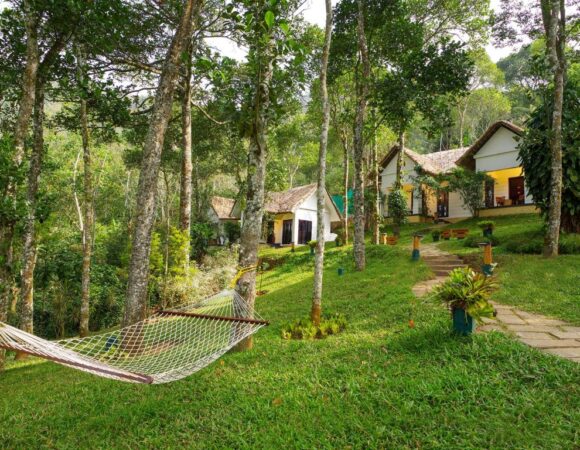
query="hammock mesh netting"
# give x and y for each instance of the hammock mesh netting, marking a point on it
(169, 345)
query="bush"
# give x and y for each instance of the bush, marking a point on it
(398, 209)
(201, 233)
(474, 241)
(304, 329)
(569, 245)
(436, 233)
(233, 231)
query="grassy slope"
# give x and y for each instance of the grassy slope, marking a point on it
(550, 287)
(379, 384)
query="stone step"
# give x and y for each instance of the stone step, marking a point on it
(443, 261)
(448, 267)
(442, 272)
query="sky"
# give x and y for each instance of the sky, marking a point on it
(314, 12)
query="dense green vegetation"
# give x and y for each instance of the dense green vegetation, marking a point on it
(377, 384)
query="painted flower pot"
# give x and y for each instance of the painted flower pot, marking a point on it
(311, 250)
(436, 238)
(340, 271)
(487, 232)
(463, 323)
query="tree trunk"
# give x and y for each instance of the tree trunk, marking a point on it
(29, 238)
(362, 92)
(254, 211)
(88, 196)
(554, 22)
(26, 104)
(186, 164)
(345, 180)
(136, 302)
(400, 160)
(376, 187)
(321, 188)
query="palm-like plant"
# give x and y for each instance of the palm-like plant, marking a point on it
(465, 289)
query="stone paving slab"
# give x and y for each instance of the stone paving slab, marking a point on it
(553, 336)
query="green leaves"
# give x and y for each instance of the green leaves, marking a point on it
(269, 18)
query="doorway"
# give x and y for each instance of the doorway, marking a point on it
(304, 231)
(517, 190)
(442, 204)
(287, 231)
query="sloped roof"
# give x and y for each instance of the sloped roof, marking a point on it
(491, 130)
(433, 163)
(222, 206)
(287, 201)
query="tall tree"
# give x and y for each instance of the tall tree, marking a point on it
(26, 105)
(186, 164)
(362, 90)
(136, 302)
(321, 187)
(88, 193)
(554, 20)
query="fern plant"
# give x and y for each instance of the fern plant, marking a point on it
(465, 289)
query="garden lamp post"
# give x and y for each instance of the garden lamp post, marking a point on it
(416, 244)
(488, 265)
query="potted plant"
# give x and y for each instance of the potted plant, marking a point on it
(339, 241)
(487, 227)
(467, 294)
(436, 234)
(312, 245)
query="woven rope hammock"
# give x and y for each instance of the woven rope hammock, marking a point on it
(169, 345)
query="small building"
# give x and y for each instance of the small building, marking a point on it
(494, 153)
(291, 218)
(220, 212)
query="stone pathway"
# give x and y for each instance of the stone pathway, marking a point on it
(544, 333)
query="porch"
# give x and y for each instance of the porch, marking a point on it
(507, 189)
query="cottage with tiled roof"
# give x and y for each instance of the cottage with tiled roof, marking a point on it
(291, 216)
(495, 153)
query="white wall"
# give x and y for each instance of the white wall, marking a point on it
(456, 208)
(389, 173)
(499, 152)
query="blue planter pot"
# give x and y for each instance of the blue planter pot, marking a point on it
(340, 271)
(311, 251)
(487, 232)
(463, 323)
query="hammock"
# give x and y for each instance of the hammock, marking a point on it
(170, 345)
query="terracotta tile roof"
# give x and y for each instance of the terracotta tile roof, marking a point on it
(492, 129)
(287, 201)
(222, 206)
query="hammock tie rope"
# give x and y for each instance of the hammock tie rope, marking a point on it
(169, 345)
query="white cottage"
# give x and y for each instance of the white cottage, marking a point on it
(495, 153)
(291, 216)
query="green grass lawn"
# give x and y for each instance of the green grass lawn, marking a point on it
(379, 384)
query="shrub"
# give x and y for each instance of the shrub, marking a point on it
(436, 233)
(474, 241)
(569, 245)
(201, 233)
(398, 208)
(468, 290)
(340, 236)
(232, 231)
(304, 329)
